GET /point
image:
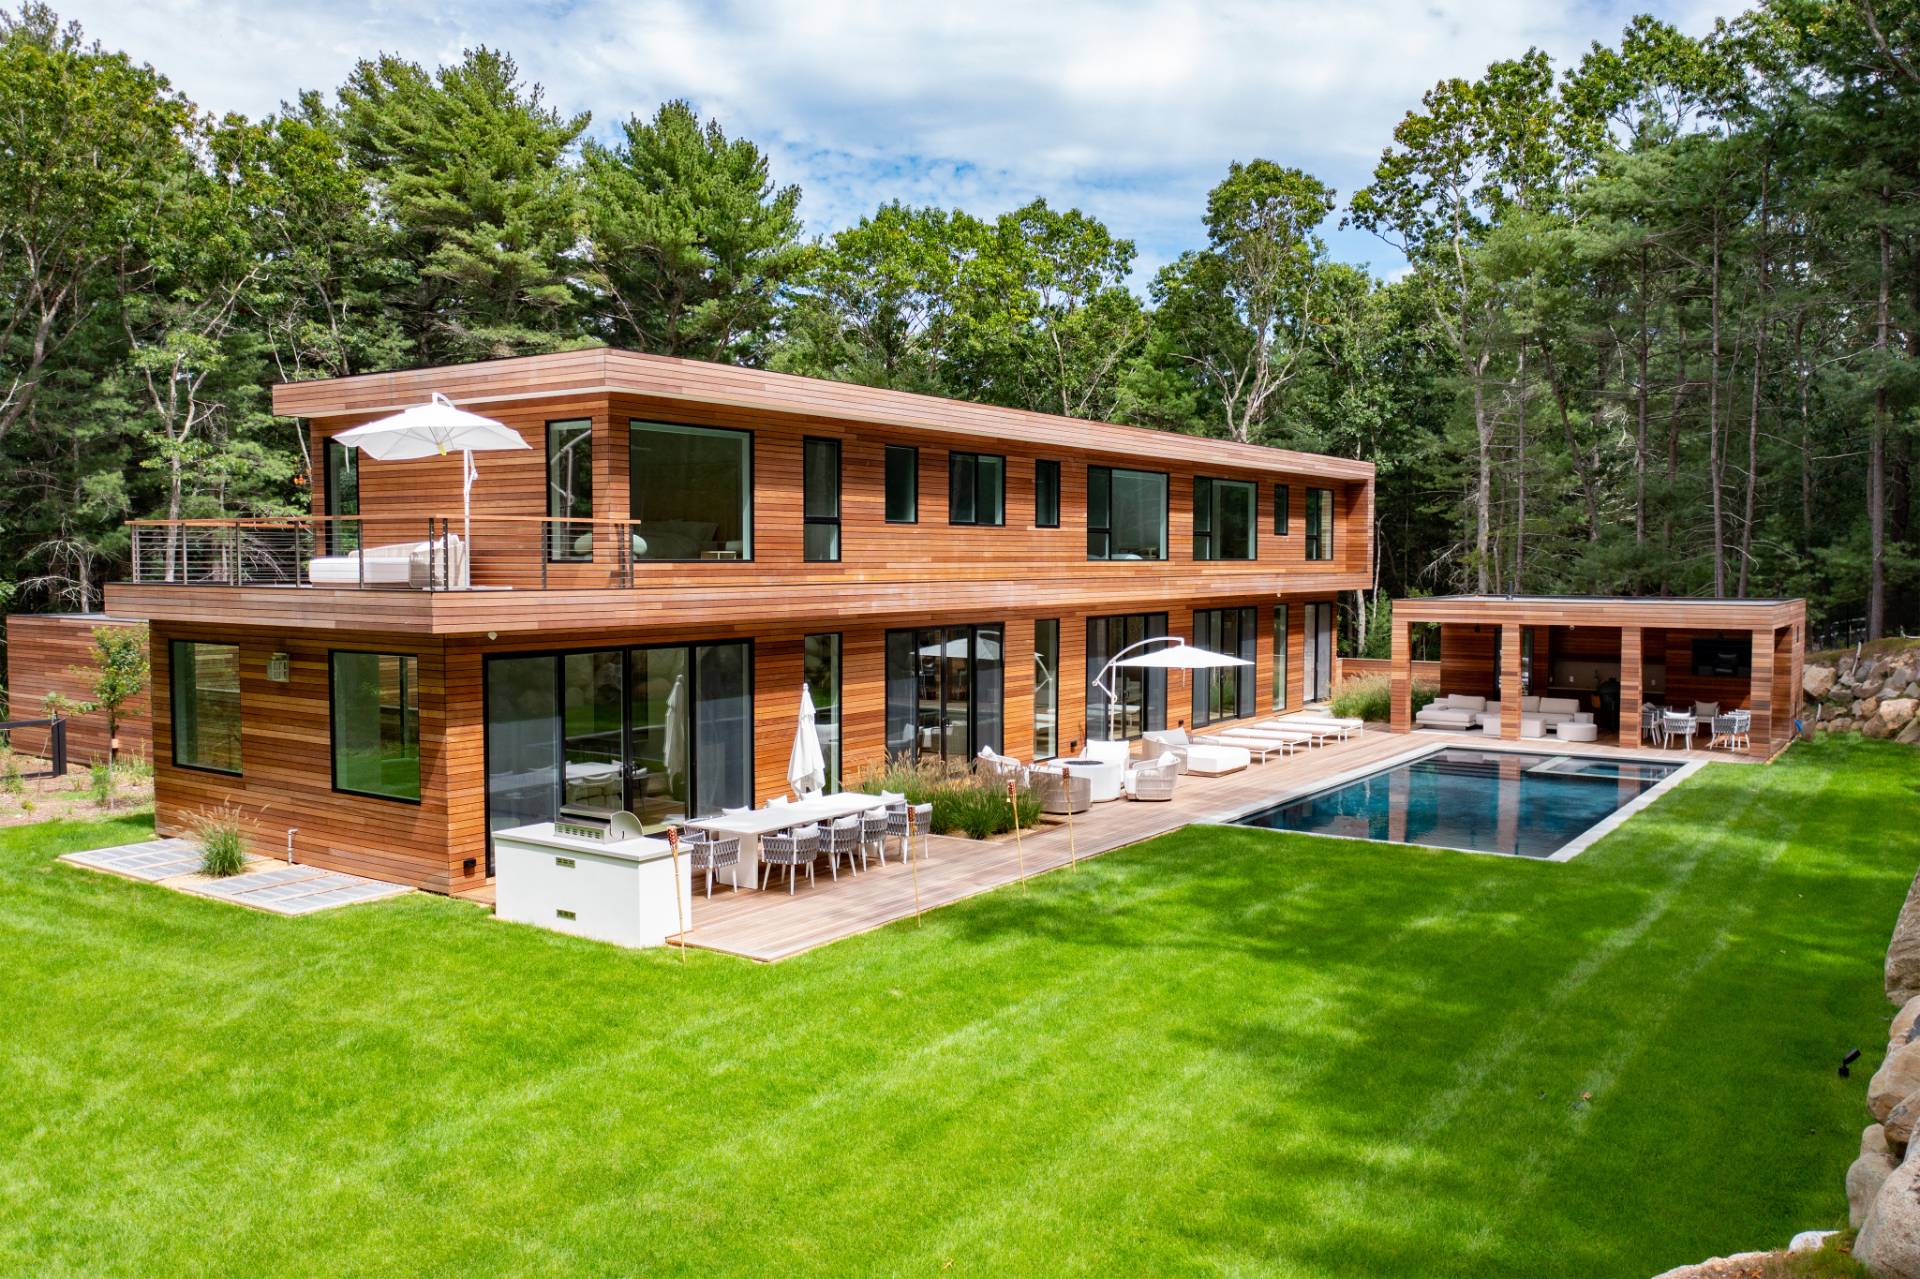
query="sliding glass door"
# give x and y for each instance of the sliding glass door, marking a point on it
(663, 732)
(1140, 696)
(1316, 667)
(945, 688)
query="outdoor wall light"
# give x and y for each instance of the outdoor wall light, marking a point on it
(279, 668)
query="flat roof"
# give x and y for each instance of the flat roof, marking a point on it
(1654, 601)
(1602, 610)
(605, 370)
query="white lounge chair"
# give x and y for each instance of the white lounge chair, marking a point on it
(1339, 726)
(1306, 734)
(1257, 746)
(1199, 756)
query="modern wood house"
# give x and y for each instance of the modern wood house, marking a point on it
(629, 616)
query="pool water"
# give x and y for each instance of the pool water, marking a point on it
(1486, 801)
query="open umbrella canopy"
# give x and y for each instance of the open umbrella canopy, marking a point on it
(806, 766)
(1181, 656)
(433, 429)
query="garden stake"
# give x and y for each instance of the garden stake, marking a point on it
(679, 908)
(1013, 802)
(1073, 853)
(913, 862)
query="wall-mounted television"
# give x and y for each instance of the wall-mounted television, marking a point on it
(1728, 657)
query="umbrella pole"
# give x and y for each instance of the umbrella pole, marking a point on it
(466, 508)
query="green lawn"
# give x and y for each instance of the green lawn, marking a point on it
(1223, 1052)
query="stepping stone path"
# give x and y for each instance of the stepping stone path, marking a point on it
(275, 887)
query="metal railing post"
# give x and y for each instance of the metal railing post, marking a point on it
(57, 746)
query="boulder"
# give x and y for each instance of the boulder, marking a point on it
(1873, 1141)
(1910, 734)
(1868, 691)
(1876, 728)
(1899, 1123)
(1817, 681)
(1866, 708)
(1903, 951)
(1810, 1240)
(1904, 1023)
(1898, 710)
(1864, 1180)
(1897, 1079)
(1889, 1239)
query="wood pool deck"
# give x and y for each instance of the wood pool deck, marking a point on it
(771, 925)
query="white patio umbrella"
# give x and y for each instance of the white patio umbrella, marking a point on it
(806, 766)
(1177, 656)
(435, 429)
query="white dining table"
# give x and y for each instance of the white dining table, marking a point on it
(749, 827)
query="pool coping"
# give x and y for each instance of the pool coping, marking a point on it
(1565, 853)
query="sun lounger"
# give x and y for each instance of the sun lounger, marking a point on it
(1331, 725)
(1310, 734)
(1255, 745)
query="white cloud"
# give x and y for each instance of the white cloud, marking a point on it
(1127, 110)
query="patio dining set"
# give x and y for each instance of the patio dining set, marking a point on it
(744, 846)
(1667, 726)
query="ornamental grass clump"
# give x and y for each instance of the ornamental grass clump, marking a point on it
(964, 802)
(1370, 697)
(222, 833)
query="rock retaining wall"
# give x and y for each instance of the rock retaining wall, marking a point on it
(1876, 695)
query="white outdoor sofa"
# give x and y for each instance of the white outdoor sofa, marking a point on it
(1453, 710)
(1538, 715)
(437, 564)
(1201, 757)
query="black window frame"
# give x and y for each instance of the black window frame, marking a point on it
(834, 777)
(747, 524)
(1319, 550)
(559, 545)
(809, 520)
(1046, 480)
(333, 736)
(1039, 624)
(342, 536)
(1106, 530)
(1282, 510)
(912, 453)
(1245, 678)
(1206, 498)
(955, 461)
(173, 706)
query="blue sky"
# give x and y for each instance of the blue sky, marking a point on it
(1130, 111)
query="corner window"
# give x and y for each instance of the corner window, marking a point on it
(1126, 514)
(342, 497)
(570, 490)
(823, 683)
(903, 484)
(1046, 494)
(1282, 512)
(822, 502)
(205, 682)
(376, 724)
(976, 488)
(691, 488)
(1319, 524)
(1223, 519)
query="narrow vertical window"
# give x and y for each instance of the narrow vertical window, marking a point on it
(1046, 688)
(375, 724)
(903, 484)
(570, 490)
(1319, 524)
(823, 683)
(1202, 519)
(1282, 510)
(822, 479)
(1046, 494)
(342, 497)
(1279, 657)
(206, 705)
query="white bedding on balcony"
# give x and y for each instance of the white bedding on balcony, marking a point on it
(440, 563)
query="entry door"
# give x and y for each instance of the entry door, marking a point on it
(1317, 650)
(951, 717)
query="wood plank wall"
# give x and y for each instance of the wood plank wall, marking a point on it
(42, 651)
(1468, 658)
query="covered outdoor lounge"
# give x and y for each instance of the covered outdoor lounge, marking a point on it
(1612, 670)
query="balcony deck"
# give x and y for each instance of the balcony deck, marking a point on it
(770, 925)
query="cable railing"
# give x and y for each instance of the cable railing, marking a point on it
(415, 552)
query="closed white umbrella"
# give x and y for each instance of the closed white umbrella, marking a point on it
(806, 766)
(435, 429)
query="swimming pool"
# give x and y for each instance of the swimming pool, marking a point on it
(1524, 804)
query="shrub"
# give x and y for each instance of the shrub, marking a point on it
(222, 833)
(100, 781)
(964, 802)
(1370, 697)
(10, 780)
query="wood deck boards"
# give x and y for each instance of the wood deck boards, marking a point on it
(770, 925)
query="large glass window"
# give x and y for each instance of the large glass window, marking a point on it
(570, 489)
(691, 488)
(1046, 494)
(1319, 524)
(1223, 519)
(823, 684)
(659, 750)
(976, 488)
(945, 687)
(1279, 657)
(206, 705)
(1126, 514)
(1224, 692)
(1046, 688)
(722, 727)
(903, 484)
(523, 743)
(376, 724)
(822, 500)
(342, 497)
(1140, 695)
(593, 717)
